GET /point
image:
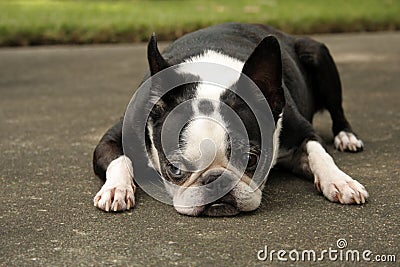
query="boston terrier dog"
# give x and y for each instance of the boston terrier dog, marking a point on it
(296, 75)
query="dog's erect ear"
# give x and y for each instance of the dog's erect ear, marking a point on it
(156, 61)
(264, 68)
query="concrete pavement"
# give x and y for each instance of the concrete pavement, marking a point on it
(56, 102)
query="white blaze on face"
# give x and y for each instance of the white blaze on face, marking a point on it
(213, 57)
(205, 137)
(275, 140)
(210, 92)
(205, 142)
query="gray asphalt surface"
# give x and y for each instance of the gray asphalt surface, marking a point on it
(56, 102)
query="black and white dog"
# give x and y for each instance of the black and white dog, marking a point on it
(297, 77)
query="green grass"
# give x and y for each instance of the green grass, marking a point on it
(55, 22)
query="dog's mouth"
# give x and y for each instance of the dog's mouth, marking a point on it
(225, 206)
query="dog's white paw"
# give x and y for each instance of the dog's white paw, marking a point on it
(346, 141)
(115, 197)
(117, 194)
(336, 185)
(342, 189)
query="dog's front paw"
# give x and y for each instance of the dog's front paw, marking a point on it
(346, 141)
(115, 197)
(343, 189)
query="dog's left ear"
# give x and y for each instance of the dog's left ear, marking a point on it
(264, 68)
(156, 61)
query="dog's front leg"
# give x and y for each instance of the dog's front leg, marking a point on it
(117, 193)
(336, 185)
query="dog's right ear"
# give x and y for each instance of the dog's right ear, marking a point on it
(156, 61)
(264, 67)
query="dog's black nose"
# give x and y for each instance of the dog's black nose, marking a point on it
(216, 183)
(210, 178)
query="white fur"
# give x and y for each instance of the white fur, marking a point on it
(222, 80)
(275, 146)
(190, 211)
(154, 161)
(205, 138)
(209, 91)
(347, 141)
(275, 140)
(205, 74)
(118, 191)
(247, 199)
(336, 185)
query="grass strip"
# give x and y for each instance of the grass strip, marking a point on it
(39, 22)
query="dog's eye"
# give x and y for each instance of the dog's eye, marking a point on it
(251, 159)
(174, 171)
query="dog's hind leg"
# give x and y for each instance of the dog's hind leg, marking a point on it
(327, 90)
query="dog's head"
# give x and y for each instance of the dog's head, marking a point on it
(205, 151)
